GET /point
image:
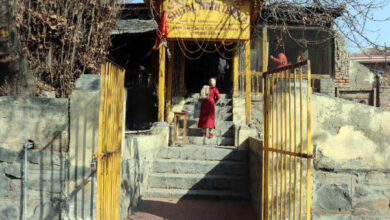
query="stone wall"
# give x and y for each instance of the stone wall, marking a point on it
(327, 86)
(350, 172)
(384, 91)
(138, 155)
(81, 181)
(341, 61)
(351, 143)
(44, 121)
(255, 172)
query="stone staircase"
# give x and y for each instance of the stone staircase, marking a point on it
(201, 172)
(204, 168)
(223, 123)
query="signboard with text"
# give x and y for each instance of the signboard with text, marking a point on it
(208, 19)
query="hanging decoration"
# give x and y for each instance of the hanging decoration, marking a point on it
(162, 32)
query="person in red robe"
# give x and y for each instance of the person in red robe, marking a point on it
(281, 60)
(207, 110)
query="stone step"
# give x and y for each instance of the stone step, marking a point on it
(217, 132)
(196, 194)
(193, 123)
(223, 96)
(200, 167)
(218, 109)
(198, 182)
(224, 141)
(196, 152)
(225, 116)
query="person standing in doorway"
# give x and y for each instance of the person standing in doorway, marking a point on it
(223, 67)
(207, 110)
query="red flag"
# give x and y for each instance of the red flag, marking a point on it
(162, 32)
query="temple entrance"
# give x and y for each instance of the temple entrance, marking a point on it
(214, 60)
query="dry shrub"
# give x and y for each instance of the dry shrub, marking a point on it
(63, 39)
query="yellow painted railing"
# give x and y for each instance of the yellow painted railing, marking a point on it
(110, 140)
(287, 142)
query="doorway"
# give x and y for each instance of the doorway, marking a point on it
(203, 63)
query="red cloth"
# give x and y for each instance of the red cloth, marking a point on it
(281, 60)
(207, 109)
(162, 32)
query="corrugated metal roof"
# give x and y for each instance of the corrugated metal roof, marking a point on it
(134, 26)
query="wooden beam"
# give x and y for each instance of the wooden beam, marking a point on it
(169, 83)
(182, 73)
(161, 84)
(235, 71)
(248, 81)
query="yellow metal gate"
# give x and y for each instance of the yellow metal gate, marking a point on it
(286, 142)
(110, 140)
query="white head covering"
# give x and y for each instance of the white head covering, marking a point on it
(213, 82)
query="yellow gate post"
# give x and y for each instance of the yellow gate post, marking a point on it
(283, 143)
(248, 81)
(169, 83)
(235, 70)
(110, 139)
(265, 51)
(161, 84)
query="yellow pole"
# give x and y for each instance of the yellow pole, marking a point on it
(235, 71)
(308, 184)
(248, 81)
(169, 83)
(295, 142)
(161, 77)
(273, 144)
(265, 52)
(277, 144)
(182, 76)
(161, 84)
(301, 144)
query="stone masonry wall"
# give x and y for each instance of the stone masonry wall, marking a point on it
(341, 61)
(138, 155)
(44, 121)
(351, 143)
(351, 169)
(384, 91)
(81, 181)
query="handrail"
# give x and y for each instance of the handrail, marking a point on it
(288, 67)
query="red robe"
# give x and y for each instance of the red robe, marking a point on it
(207, 109)
(281, 61)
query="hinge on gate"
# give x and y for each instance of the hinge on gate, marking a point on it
(94, 161)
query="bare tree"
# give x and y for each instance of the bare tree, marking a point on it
(352, 16)
(63, 39)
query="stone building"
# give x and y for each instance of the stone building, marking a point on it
(370, 73)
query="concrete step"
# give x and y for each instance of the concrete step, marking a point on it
(196, 152)
(219, 116)
(200, 167)
(193, 123)
(224, 141)
(217, 132)
(225, 116)
(223, 96)
(218, 109)
(196, 194)
(220, 102)
(198, 182)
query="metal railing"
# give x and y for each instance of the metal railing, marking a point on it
(286, 142)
